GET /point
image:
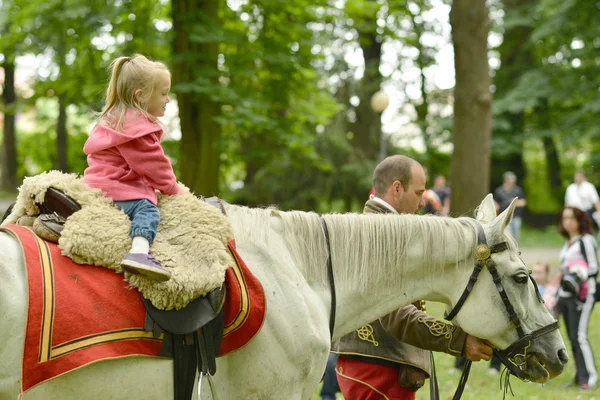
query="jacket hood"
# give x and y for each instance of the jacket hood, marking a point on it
(136, 125)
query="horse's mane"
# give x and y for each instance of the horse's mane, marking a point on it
(352, 241)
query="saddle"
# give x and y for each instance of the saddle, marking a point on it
(192, 335)
(54, 211)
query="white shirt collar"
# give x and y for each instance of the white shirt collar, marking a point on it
(384, 203)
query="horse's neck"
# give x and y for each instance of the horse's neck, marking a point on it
(380, 262)
(414, 270)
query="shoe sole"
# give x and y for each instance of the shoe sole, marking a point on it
(149, 272)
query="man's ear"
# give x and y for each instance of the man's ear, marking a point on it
(398, 187)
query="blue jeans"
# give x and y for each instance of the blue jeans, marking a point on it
(144, 217)
(515, 227)
(330, 383)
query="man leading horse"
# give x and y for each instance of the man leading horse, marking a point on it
(391, 356)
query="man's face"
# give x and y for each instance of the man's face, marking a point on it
(410, 199)
(440, 181)
(539, 274)
(509, 183)
(579, 177)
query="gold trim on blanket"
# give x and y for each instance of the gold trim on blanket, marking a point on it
(244, 311)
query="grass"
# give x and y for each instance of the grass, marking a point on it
(483, 386)
(8, 194)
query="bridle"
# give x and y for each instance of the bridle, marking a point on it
(516, 355)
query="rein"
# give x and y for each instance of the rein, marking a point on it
(514, 356)
(331, 280)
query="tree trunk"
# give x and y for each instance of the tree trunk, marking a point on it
(553, 168)
(422, 109)
(470, 164)
(200, 133)
(9, 145)
(516, 58)
(61, 135)
(367, 128)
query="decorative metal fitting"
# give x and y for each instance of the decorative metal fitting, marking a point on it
(483, 252)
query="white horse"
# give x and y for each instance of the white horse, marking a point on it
(380, 262)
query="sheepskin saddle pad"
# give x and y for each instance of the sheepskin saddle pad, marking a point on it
(191, 241)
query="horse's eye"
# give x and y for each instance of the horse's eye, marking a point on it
(521, 277)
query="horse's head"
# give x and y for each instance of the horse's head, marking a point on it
(503, 304)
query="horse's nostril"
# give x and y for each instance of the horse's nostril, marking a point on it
(563, 356)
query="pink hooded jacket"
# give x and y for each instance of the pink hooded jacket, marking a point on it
(129, 165)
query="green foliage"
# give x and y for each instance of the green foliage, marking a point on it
(536, 187)
(283, 75)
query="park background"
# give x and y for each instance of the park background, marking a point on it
(293, 103)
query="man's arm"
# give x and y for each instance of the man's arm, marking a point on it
(446, 206)
(594, 197)
(415, 327)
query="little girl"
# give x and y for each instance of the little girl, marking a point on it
(125, 158)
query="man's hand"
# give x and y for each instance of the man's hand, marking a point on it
(476, 349)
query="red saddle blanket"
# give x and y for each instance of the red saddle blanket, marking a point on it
(79, 314)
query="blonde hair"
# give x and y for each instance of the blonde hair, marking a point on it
(128, 75)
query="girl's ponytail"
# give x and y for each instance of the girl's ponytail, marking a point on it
(111, 92)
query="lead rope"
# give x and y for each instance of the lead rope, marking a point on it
(462, 383)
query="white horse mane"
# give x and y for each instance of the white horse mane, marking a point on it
(355, 240)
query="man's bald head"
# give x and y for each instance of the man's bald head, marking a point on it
(393, 168)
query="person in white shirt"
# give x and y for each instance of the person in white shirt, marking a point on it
(583, 195)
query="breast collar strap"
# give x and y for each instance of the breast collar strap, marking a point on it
(330, 279)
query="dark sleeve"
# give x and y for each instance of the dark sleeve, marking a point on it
(521, 194)
(497, 197)
(417, 328)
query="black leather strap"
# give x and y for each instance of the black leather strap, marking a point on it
(434, 390)
(512, 314)
(467, 291)
(331, 280)
(463, 380)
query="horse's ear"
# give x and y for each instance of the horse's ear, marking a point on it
(502, 220)
(486, 212)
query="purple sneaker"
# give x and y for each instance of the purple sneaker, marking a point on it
(146, 265)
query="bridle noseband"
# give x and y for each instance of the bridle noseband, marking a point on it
(514, 356)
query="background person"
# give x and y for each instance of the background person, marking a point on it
(504, 195)
(583, 195)
(443, 196)
(576, 305)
